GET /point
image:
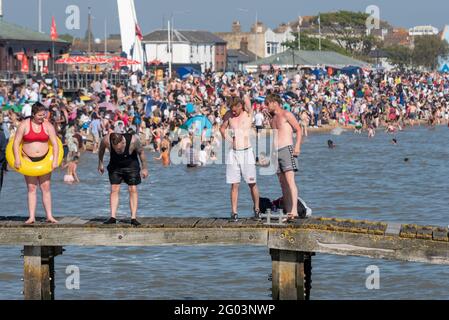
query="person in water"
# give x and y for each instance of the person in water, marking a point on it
(165, 157)
(34, 135)
(331, 144)
(72, 176)
(125, 153)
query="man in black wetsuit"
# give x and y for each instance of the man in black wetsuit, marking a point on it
(125, 152)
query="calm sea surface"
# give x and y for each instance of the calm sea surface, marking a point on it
(361, 179)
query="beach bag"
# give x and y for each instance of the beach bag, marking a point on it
(303, 210)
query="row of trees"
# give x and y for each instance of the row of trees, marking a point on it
(426, 53)
(345, 32)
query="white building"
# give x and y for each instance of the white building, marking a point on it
(274, 41)
(262, 41)
(189, 47)
(423, 31)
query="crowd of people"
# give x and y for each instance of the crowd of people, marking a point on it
(156, 112)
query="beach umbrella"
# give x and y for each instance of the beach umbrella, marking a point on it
(185, 72)
(126, 63)
(98, 60)
(188, 75)
(64, 61)
(73, 60)
(116, 59)
(155, 62)
(198, 123)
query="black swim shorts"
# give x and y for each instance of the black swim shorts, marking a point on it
(130, 176)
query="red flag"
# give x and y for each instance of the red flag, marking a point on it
(53, 32)
(25, 66)
(139, 32)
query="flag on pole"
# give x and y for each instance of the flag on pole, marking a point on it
(25, 66)
(53, 32)
(139, 32)
(319, 25)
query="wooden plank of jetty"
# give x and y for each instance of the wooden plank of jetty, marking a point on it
(427, 244)
(291, 245)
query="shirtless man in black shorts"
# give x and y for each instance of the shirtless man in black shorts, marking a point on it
(124, 166)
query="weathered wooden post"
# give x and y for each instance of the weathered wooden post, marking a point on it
(39, 272)
(291, 278)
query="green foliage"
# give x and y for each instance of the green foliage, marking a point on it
(399, 56)
(348, 30)
(428, 50)
(344, 19)
(425, 54)
(67, 37)
(312, 43)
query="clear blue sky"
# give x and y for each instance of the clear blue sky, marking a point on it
(204, 15)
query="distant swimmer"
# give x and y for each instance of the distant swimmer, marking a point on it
(394, 141)
(406, 159)
(331, 144)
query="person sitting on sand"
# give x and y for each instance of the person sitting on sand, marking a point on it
(71, 177)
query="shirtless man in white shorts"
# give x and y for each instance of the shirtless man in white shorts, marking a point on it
(237, 129)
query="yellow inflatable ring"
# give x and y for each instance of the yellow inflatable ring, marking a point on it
(34, 169)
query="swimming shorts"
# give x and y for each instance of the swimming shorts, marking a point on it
(130, 176)
(286, 160)
(241, 163)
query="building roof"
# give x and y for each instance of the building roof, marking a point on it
(399, 36)
(310, 58)
(10, 31)
(113, 45)
(184, 36)
(242, 55)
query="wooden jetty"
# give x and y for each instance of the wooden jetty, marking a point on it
(291, 246)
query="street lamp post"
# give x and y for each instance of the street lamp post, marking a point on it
(171, 35)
